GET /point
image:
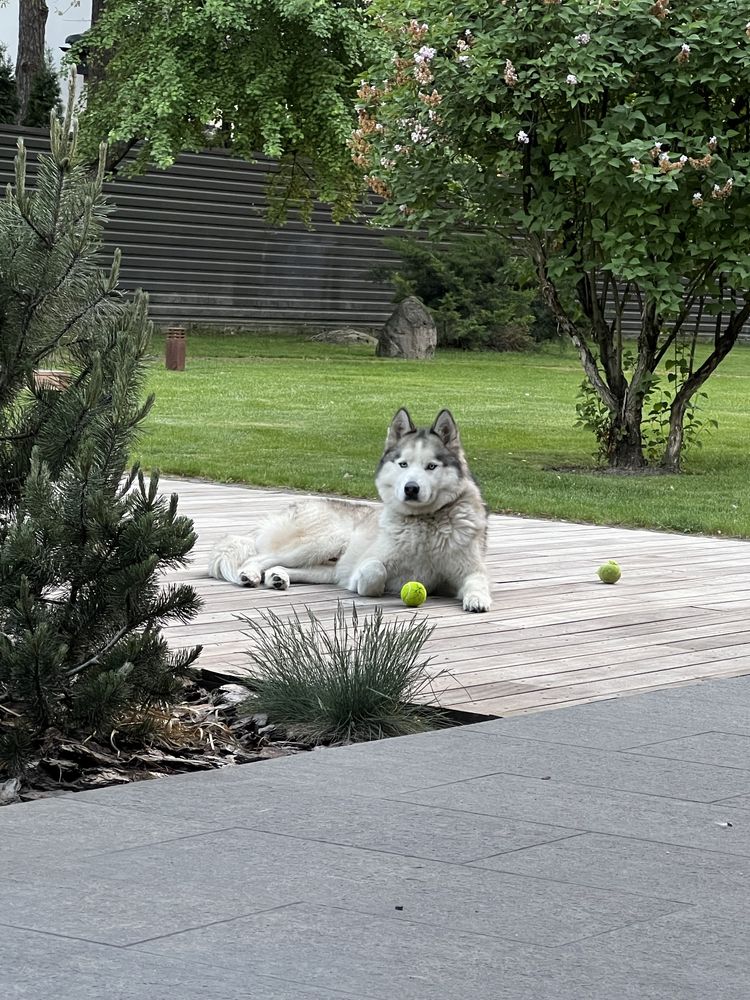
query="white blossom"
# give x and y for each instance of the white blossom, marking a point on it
(634, 160)
(403, 209)
(420, 134)
(584, 38)
(713, 141)
(663, 157)
(572, 79)
(685, 49)
(683, 158)
(464, 59)
(523, 138)
(424, 55)
(697, 198)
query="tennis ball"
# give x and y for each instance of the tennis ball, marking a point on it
(610, 572)
(413, 593)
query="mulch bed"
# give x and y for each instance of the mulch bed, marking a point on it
(209, 729)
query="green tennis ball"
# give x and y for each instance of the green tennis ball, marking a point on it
(610, 572)
(413, 593)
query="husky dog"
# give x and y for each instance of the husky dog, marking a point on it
(431, 527)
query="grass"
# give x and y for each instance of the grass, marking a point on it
(278, 410)
(354, 682)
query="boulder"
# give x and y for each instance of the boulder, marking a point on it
(409, 332)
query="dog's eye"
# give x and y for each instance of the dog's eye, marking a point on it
(404, 465)
(431, 466)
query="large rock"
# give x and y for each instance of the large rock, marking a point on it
(409, 332)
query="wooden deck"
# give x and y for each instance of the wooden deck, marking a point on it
(556, 636)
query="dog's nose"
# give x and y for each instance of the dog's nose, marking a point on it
(411, 491)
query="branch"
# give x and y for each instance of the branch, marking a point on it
(722, 347)
(692, 293)
(74, 671)
(551, 298)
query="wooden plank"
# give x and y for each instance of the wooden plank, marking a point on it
(556, 636)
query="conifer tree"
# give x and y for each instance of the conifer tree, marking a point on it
(44, 96)
(8, 93)
(83, 537)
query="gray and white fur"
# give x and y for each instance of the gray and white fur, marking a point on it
(431, 527)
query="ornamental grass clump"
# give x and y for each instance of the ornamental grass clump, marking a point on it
(354, 681)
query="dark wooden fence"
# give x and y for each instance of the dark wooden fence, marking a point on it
(195, 238)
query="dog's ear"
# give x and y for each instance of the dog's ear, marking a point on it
(446, 429)
(400, 425)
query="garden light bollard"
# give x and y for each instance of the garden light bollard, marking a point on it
(175, 358)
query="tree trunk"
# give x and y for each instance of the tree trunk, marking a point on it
(98, 59)
(625, 446)
(32, 21)
(722, 346)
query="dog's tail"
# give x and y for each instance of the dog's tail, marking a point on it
(229, 555)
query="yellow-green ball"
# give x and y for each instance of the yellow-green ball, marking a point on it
(413, 593)
(610, 572)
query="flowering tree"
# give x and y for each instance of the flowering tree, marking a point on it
(270, 76)
(613, 139)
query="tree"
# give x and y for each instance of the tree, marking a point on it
(32, 21)
(45, 95)
(8, 93)
(272, 76)
(83, 539)
(613, 139)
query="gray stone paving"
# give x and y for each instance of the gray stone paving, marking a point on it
(599, 852)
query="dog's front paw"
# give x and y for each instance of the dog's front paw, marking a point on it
(476, 602)
(250, 574)
(371, 579)
(277, 578)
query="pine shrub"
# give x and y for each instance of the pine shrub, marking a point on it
(83, 537)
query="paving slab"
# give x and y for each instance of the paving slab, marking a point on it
(33, 832)
(718, 881)
(725, 749)
(40, 966)
(130, 895)
(629, 723)
(688, 955)
(339, 949)
(356, 821)
(713, 827)
(604, 857)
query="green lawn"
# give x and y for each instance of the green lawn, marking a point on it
(280, 411)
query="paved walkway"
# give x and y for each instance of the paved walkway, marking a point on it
(555, 636)
(599, 852)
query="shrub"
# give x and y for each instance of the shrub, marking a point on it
(475, 288)
(83, 538)
(354, 682)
